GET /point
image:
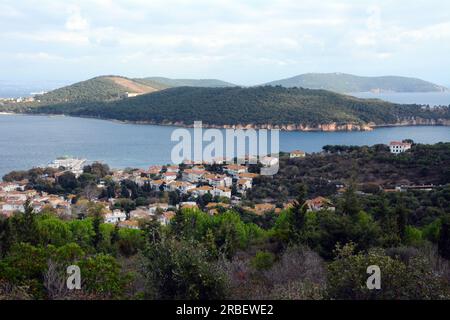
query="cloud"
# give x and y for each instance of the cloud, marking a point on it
(221, 38)
(75, 22)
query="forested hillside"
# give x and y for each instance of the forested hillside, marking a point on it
(346, 83)
(256, 106)
(103, 88)
(213, 83)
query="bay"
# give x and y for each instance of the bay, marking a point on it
(28, 141)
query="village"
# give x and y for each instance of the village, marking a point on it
(223, 183)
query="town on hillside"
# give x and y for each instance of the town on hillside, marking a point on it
(213, 187)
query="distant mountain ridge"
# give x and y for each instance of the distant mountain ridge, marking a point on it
(112, 87)
(348, 83)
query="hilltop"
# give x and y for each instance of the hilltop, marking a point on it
(347, 83)
(207, 83)
(107, 88)
(101, 88)
(289, 108)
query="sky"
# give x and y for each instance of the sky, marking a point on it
(242, 41)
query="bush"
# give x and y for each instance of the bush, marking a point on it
(263, 260)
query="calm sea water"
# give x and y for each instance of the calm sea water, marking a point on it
(427, 98)
(27, 141)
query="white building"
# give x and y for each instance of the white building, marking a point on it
(115, 216)
(73, 165)
(222, 192)
(397, 147)
(297, 154)
(155, 206)
(192, 175)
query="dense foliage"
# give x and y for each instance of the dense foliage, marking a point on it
(256, 106)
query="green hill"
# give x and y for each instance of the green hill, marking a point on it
(255, 106)
(347, 83)
(101, 88)
(207, 83)
(107, 88)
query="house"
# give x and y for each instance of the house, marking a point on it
(192, 175)
(141, 181)
(13, 205)
(166, 217)
(188, 205)
(156, 184)
(222, 192)
(319, 203)
(235, 169)
(243, 185)
(153, 208)
(141, 213)
(9, 186)
(169, 176)
(181, 186)
(130, 224)
(297, 154)
(73, 165)
(248, 175)
(115, 216)
(397, 147)
(154, 170)
(172, 169)
(201, 191)
(218, 180)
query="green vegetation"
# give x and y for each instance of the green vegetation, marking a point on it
(296, 253)
(346, 83)
(258, 106)
(369, 168)
(213, 83)
(95, 89)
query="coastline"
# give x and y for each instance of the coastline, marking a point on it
(326, 127)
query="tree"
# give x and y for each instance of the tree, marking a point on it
(444, 238)
(298, 213)
(96, 222)
(351, 205)
(24, 226)
(402, 217)
(181, 270)
(414, 279)
(101, 275)
(68, 181)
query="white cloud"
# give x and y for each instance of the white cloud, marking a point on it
(75, 21)
(272, 38)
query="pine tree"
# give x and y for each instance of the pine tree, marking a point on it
(97, 221)
(351, 204)
(299, 210)
(444, 238)
(115, 235)
(402, 218)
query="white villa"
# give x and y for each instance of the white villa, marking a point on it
(397, 147)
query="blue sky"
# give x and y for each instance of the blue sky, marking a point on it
(245, 42)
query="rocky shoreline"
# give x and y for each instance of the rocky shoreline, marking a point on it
(329, 127)
(326, 127)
